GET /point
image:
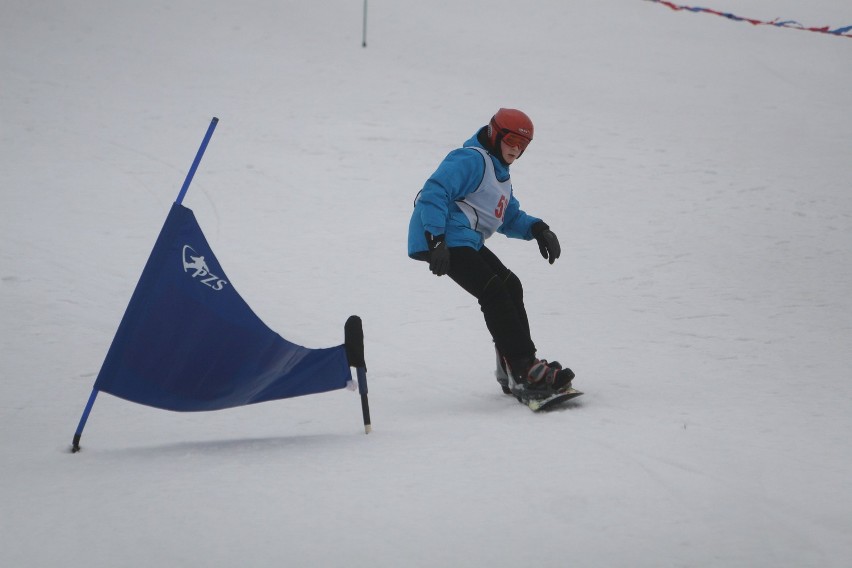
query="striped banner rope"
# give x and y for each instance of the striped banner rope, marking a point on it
(842, 32)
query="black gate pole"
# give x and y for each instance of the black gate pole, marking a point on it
(354, 334)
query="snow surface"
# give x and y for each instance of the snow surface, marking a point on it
(696, 170)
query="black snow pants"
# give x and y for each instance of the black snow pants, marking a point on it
(500, 295)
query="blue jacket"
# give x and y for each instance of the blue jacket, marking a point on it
(436, 211)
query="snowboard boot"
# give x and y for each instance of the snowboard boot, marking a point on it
(536, 378)
(503, 377)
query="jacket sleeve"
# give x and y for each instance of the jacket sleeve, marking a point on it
(459, 174)
(517, 223)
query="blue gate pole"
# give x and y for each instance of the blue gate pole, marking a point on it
(75, 445)
(197, 160)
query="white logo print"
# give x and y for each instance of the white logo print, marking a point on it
(192, 260)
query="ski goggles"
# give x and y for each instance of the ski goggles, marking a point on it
(513, 139)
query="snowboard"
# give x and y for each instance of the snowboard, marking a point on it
(548, 403)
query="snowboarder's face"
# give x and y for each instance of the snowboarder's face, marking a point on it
(510, 153)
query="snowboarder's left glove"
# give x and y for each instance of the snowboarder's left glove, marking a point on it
(548, 244)
(439, 254)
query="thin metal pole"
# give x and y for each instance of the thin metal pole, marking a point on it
(197, 160)
(364, 35)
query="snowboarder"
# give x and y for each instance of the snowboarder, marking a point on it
(464, 202)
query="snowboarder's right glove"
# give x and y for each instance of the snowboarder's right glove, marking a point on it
(548, 244)
(439, 254)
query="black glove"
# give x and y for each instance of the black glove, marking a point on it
(548, 244)
(439, 254)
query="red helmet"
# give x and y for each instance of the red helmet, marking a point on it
(511, 125)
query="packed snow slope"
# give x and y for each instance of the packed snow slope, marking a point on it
(696, 171)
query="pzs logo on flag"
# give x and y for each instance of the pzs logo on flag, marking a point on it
(195, 262)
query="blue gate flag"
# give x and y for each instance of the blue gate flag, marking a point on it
(189, 342)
